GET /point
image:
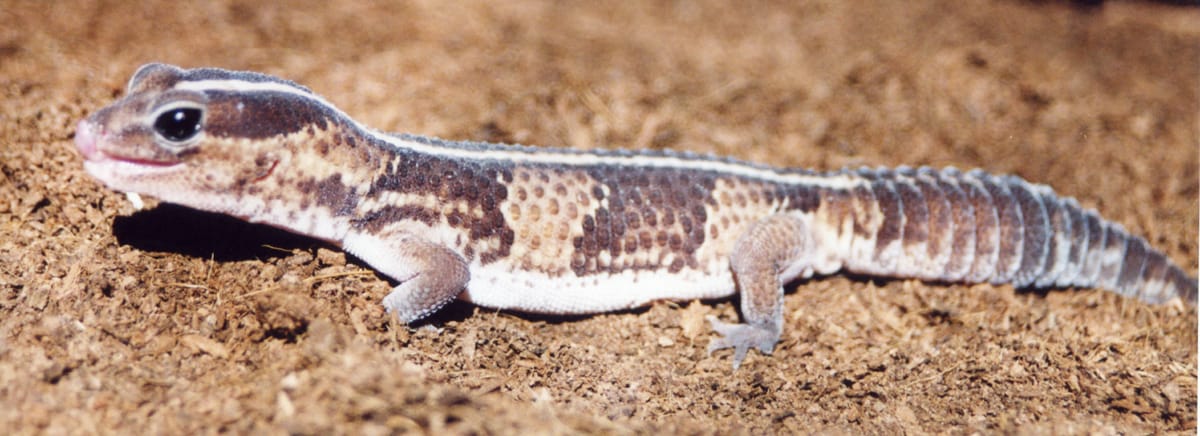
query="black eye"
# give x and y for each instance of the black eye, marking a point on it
(178, 124)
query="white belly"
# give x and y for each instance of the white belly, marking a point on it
(499, 286)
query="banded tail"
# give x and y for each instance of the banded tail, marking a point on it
(946, 225)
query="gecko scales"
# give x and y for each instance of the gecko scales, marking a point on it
(563, 231)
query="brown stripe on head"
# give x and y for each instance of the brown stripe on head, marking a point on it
(262, 114)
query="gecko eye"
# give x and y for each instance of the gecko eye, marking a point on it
(178, 124)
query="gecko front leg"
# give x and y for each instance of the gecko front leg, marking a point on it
(430, 274)
(771, 251)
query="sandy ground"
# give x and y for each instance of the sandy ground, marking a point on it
(172, 321)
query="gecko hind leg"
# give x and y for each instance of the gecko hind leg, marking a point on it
(771, 248)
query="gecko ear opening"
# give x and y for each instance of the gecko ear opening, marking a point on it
(153, 75)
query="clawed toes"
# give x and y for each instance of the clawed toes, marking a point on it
(741, 337)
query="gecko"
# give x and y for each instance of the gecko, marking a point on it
(568, 231)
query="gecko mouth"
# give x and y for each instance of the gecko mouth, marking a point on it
(87, 139)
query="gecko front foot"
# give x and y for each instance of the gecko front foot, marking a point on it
(741, 337)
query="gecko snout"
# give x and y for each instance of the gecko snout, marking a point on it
(85, 139)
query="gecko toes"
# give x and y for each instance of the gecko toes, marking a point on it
(410, 303)
(742, 337)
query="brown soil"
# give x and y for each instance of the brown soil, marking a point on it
(173, 321)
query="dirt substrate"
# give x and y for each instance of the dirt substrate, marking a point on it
(173, 321)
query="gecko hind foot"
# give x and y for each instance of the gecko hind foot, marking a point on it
(741, 337)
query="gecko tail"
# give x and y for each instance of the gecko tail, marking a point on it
(974, 227)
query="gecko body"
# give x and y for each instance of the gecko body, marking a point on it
(565, 231)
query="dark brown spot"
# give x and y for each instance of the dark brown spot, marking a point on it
(631, 244)
(676, 265)
(696, 239)
(507, 237)
(578, 261)
(487, 202)
(654, 197)
(675, 242)
(634, 197)
(330, 193)
(678, 199)
(590, 248)
(633, 220)
(603, 228)
(650, 216)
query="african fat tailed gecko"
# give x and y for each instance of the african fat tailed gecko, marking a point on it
(564, 231)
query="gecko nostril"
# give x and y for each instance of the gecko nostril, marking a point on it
(85, 139)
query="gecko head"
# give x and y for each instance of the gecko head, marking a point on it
(206, 138)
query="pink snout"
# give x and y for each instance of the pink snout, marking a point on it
(85, 139)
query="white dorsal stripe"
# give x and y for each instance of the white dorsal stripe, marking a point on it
(540, 156)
